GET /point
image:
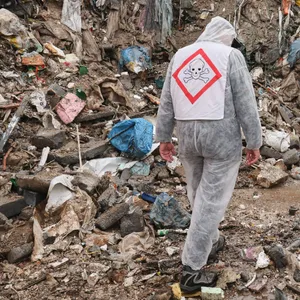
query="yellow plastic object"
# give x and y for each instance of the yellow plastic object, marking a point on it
(298, 2)
(177, 294)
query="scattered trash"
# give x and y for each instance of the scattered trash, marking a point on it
(166, 212)
(136, 59)
(64, 63)
(263, 261)
(251, 254)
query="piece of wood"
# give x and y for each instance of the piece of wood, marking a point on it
(84, 117)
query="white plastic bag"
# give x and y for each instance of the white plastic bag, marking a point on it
(278, 140)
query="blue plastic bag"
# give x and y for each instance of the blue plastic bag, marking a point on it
(134, 137)
(136, 59)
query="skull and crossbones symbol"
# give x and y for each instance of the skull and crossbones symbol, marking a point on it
(196, 71)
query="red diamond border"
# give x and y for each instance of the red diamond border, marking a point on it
(218, 75)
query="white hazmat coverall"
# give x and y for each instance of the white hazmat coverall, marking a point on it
(209, 149)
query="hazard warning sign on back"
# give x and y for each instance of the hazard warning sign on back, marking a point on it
(196, 75)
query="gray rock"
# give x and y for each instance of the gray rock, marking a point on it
(19, 253)
(271, 176)
(112, 216)
(133, 222)
(108, 198)
(291, 157)
(11, 206)
(270, 152)
(297, 275)
(164, 173)
(277, 254)
(51, 138)
(86, 181)
(68, 154)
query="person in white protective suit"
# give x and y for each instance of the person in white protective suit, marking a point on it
(208, 93)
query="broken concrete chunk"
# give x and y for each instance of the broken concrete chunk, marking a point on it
(291, 157)
(68, 154)
(86, 181)
(133, 222)
(19, 253)
(108, 198)
(111, 216)
(164, 173)
(11, 205)
(271, 176)
(52, 138)
(208, 293)
(269, 152)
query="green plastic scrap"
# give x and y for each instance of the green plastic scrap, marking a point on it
(83, 70)
(81, 94)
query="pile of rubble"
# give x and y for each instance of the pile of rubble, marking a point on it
(88, 212)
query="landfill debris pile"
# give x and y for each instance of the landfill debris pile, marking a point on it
(88, 209)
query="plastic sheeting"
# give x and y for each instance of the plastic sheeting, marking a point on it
(134, 137)
(167, 213)
(102, 165)
(164, 17)
(136, 59)
(218, 30)
(278, 140)
(71, 14)
(60, 191)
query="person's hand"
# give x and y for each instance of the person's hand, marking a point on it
(252, 156)
(167, 150)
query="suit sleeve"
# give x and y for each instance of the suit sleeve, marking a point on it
(244, 100)
(165, 117)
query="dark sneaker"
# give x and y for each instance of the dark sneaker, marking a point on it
(192, 281)
(217, 247)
